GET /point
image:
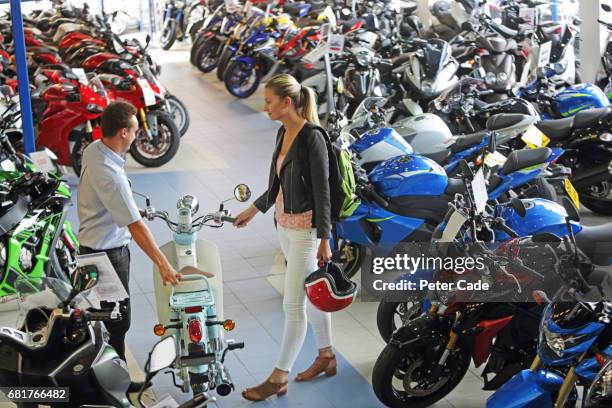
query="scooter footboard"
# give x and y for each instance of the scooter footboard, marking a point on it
(527, 389)
(209, 260)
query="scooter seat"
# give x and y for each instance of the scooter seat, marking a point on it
(465, 141)
(519, 159)
(557, 129)
(504, 120)
(596, 243)
(590, 117)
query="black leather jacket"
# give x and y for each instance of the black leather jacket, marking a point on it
(304, 176)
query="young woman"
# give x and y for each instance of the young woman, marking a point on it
(299, 190)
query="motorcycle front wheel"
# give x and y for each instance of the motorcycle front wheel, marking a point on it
(207, 57)
(224, 59)
(241, 80)
(399, 382)
(163, 144)
(168, 35)
(390, 316)
(76, 155)
(179, 114)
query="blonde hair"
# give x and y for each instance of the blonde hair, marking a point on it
(303, 97)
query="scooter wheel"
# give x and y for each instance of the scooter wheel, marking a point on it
(163, 146)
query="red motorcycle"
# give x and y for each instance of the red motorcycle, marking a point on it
(67, 117)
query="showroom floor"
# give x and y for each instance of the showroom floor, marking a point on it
(229, 142)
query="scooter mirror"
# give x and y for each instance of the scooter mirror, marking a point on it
(606, 7)
(345, 12)
(242, 192)
(519, 206)
(467, 26)
(570, 208)
(162, 356)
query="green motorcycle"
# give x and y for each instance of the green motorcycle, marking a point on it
(36, 240)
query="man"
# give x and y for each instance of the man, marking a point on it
(108, 215)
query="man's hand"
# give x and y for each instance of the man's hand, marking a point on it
(169, 275)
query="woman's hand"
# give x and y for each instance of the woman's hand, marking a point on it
(324, 253)
(245, 217)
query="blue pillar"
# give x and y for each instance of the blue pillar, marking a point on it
(22, 77)
(554, 10)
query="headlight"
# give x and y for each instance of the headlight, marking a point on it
(502, 77)
(427, 86)
(600, 392)
(364, 60)
(93, 108)
(559, 343)
(605, 137)
(490, 78)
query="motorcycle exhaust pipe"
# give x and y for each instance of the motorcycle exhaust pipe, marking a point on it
(223, 381)
(592, 175)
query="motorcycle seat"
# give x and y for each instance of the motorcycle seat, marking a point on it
(589, 117)
(519, 159)
(557, 129)
(465, 141)
(455, 185)
(596, 243)
(504, 120)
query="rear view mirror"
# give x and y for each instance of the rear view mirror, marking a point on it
(242, 193)
(467, 26)
(162, 356)
(606, 7)
(84, 278)
(570, 208)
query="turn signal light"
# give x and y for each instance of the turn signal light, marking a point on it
(159, 330)
(229, 325)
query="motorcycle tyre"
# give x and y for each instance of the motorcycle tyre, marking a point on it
(385, 317)
(183, 111)
(224, 60)
(210, 47)
(167, 43)
(597, 205)
(384, 371)
(175, 140)
(228, 76)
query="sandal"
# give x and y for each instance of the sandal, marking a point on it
(265, 390)
(321, 364)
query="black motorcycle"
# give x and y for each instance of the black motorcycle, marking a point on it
(182, 19)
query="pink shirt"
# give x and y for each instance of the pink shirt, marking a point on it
(291, 221)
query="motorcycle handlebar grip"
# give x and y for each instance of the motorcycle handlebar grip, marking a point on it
(228, 219)
(502, 226)
(235, 346)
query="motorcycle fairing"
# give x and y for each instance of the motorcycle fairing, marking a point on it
(527, 389)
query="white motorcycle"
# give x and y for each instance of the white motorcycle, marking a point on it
(192, 310)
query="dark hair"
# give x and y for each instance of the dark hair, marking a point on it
(115, 117)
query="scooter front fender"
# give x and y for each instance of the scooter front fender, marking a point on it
(527, 389)
(208, 260)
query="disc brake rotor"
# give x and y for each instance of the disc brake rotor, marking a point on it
(416, 384)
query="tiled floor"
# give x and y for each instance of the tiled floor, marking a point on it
(230, 142)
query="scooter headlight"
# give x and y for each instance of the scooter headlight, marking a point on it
(606, 137)
(490, 78)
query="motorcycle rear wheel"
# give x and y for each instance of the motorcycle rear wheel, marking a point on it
(394, 364)
(237, 83)
(157, 152)
(598, 197)
(168, 35)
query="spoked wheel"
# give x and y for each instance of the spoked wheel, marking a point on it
(241, 79)
(178, 113)
(400, 380)
(392, 315)
(598, 197)
(76, 155)
(160, 147)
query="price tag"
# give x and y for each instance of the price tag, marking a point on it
(8, 165)
(534, 138)
(325, 28)
(495, 159)
(42, 161)
(479, 188)
(336, 43)
(147, 92)
(571, 192)
(454, 224)
(80, 73)
(316, 54)
(544, 55)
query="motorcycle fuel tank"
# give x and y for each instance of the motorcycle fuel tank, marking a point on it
(579, 97)
(426, 133)
(407, 175)
(378, 145)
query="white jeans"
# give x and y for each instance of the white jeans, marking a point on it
(300, 250)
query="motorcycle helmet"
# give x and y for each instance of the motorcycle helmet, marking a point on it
(329, 290)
